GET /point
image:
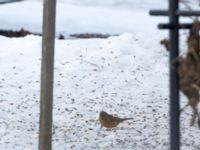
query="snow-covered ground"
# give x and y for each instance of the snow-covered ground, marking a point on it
(125, 75)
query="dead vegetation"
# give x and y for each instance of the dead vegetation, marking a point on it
(189, 72)
(22, 33)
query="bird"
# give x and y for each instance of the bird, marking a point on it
(110, 121)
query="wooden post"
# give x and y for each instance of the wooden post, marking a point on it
(47, 69)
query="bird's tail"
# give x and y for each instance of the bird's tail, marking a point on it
(127, 119)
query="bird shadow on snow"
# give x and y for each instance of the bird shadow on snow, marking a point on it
(117, 129)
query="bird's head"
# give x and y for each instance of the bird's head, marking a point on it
(103, 114)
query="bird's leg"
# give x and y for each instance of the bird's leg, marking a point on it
(110, 129)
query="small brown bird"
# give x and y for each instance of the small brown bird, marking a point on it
(110, 121)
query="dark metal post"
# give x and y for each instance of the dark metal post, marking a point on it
(174, 78)
(174, 27)
(47, 69)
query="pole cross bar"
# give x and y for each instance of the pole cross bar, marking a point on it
(183, 13)
(171, 26)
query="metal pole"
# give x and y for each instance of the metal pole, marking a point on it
(46, 91)
(174, 78)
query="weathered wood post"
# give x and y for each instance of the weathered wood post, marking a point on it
(47, 71)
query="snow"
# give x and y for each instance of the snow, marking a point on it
(77, 18)
(126, 75)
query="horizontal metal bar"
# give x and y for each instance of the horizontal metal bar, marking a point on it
(8, 1)
(183, 13)
(187, 13)
(158, 12)
(170, 26)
